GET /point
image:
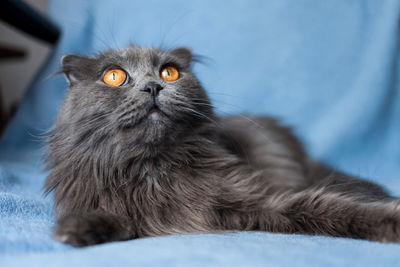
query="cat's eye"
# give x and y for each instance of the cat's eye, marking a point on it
(115, 77)
(169, 74)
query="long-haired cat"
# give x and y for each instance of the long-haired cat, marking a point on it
(137, 151)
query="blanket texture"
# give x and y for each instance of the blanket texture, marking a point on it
(329, 69)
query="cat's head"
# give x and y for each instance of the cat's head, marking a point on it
(146, 93)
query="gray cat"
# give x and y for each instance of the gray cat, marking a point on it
(137, 151)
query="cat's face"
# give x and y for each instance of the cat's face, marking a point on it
(147, 93)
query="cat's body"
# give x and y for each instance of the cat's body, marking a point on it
(127, 162)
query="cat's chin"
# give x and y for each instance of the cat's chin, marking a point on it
(155, 114)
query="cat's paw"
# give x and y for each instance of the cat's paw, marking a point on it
(86, 230)
(388, 228)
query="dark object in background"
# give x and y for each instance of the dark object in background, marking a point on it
(21, 16)
(3, 116)
(8, 53)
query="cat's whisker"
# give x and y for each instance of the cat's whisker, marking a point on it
(237, 143)
(242, 116)
(201, 102)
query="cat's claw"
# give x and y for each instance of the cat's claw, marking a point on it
(61, 238)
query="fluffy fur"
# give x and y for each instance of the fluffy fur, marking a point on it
(126, 165)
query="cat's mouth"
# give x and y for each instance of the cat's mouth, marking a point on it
(149, 115)
(155, 112)
(154, 109)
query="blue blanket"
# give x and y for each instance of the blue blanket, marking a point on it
(329, 69)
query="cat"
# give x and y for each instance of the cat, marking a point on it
(137, 151)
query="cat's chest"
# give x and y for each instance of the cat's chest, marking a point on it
(164, 192)
(170, 204)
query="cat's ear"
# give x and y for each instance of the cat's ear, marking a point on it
(184, 54)
(76, 68)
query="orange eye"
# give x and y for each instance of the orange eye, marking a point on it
(115, 77)
(169, 74)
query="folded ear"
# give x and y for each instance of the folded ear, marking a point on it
(184, 54)
(76, 68)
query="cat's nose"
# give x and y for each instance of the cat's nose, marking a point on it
(152, 88)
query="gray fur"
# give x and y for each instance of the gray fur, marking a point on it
(119, 173)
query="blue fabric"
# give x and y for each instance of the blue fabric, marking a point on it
(330, 69)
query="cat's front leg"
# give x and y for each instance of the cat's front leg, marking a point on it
(92, 228)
